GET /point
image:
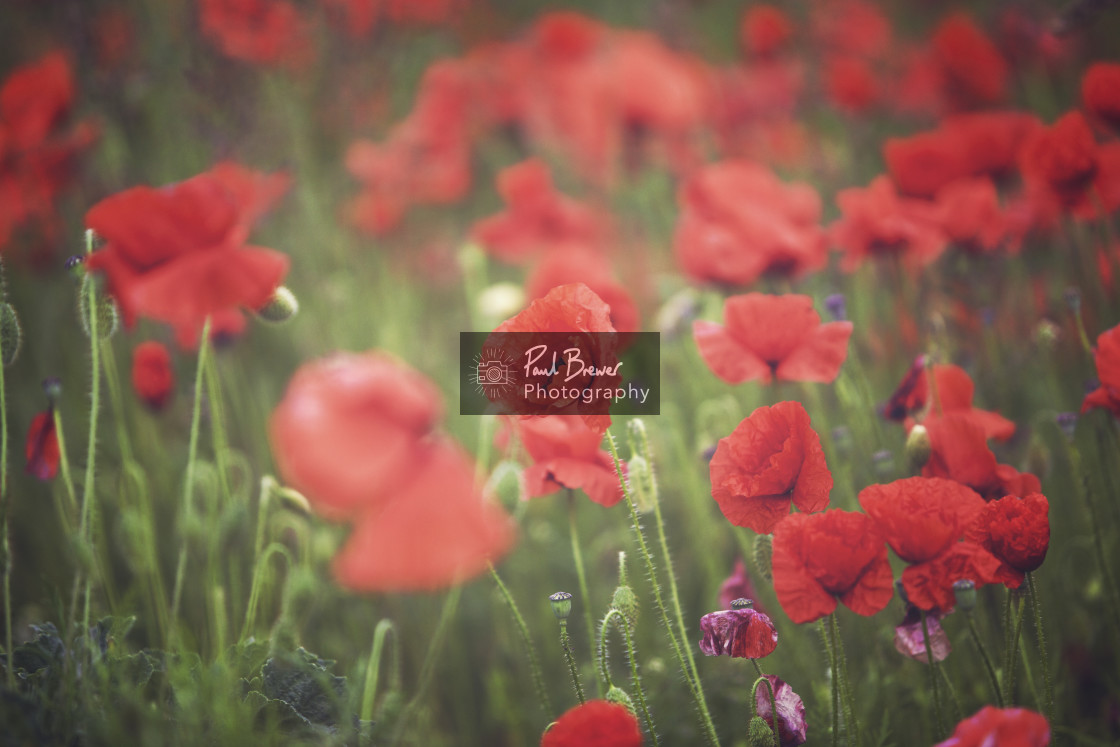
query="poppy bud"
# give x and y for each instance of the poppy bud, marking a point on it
(107, 317)
(918, 448)
(626, 602)
(281, 307)
(618, 696)
(292, 500)
(561, 604)
(642, 484)
(10, 335)
(760, 734)
(763, 553)
(500, 301)
(965, 593)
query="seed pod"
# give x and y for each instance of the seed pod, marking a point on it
(763, 554)
(107, 317)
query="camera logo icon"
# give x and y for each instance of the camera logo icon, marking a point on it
(492, 372)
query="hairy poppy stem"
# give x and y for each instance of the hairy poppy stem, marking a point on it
(1044, 659)
(569, 657)
(5, 549)
(373, 667)
(1015, 623)
(993, 680)
(693, 683)
(523, 629)
(773, 705)
(581, 574)
(848, 702)
(834, 681)
(635, 678)
(931, 661)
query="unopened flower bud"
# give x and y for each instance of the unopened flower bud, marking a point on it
(10, 335)
(759, 734)
(282, 306)
(918, 448)
(561, 604)
(965, 592)
(642, 484)
(618, 696)
(106, 310)
(500, 301)
(763, 554)
(626, 602)
(293, 500)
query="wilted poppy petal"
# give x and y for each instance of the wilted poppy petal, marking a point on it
(738, 633)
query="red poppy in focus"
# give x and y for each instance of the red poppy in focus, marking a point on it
(819, 558)
(743, 633)
(960, 452)
(771, 461)
(1107, 356)
(1016, 531)
(42, 446)
(566, 454)
(537, 216)
(875, 221)
(178, 254)
(265, 32)
(769, 337)
(911, 401)
(923, 519)
(973, 72)
(1013, 727)
(596, 723)
(765, 30)
(435, 530)
(739, 222)
(152, 377)
(348, 432)
(1063, 159)
(1100, 92)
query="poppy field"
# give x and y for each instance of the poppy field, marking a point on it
(853, 264)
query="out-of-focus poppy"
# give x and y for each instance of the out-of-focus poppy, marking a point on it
(152, 377)
(771, 461)
(851, 27)
(263, 32)
(565, 264)
(566, 454)
(178, 254)
(875, 222)
(765, 30)
(835, 555)
(348, 432)
(973, 72)
(1100, 92)
(739, 222)
(851, 84)
(1004, 726)
(1063, 159)
(911, 402)
(1107, 356)
(42, 446)
(772, 337)
(1016, 531)
(434, 530)
(596, 723)
(970, 215)
(959, 451)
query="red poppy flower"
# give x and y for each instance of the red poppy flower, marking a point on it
(178, 254)
(973, 72)
(739, 222)
(566, 454)
(851, 84)
(42, 446)
(1063, 159)
(911, 401)
(923, 519)
(1016, 531)
(537, 216)
(852, 27)
(265, 32)
(739, 633)
(819, 558)
(1107, 356)
(596, 723)
(152, 377)
(1014, 727)
(577, 263)
(970, 215)
(764, 30)
(960, 452)
(772, 460)
(772, 337)
(348, 432)
(1100, 91)
(792, 727)
(876, 221)
(433, 531)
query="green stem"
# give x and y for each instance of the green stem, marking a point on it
(1044, 659)
(450, 605)
(835, 681)
(706, 723)
(88, 492)
(5, 548)
(1012, 653)
(581, 574)
(67, 477)
(993, 681)
(373, 667)
(939, 711)
(259, 572)
(635, 678)
(848, 699)
(566, 645)
(534, 662)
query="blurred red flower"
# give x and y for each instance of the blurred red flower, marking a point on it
(37, 151)
(565, 264)
(960, 452)
(152, 377)
(739, 633)
(819, 558)
(973, 72)
(596, 723)
(566, 454)
(851, 84)
(876, 222)
(911, 401)
(1063, 159)
(349, 430)
(1107, 356)
(923, 519)
(178, 254)
(1100, 92)
(739, 222)
(851, 27)
(771, 461)
(1016, 531)
(764, 30)
(265, 32)
(434, 530)
(1014, 727)
(971, 216)
(42, 450)
(767, 337)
